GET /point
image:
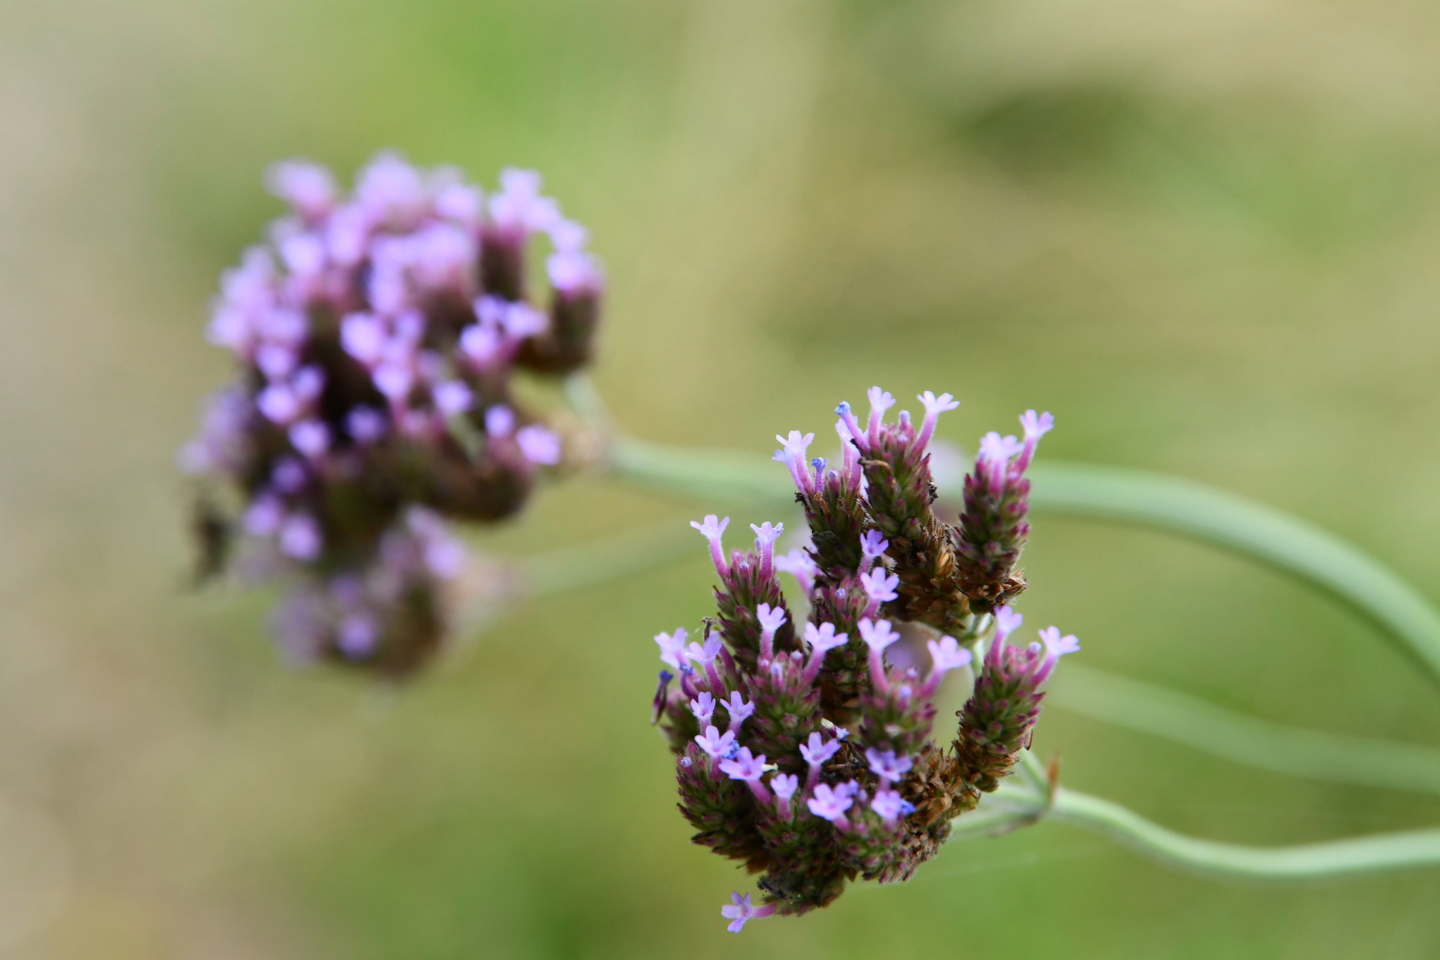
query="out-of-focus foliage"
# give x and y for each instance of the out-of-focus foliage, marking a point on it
(1203, 234)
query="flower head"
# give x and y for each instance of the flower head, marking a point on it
(784, 785)
(873, 544)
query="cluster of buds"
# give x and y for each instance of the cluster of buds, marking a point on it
(376, 335)
(800, 750)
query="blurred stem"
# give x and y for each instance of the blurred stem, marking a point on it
(1313, 861)
(1233, 736)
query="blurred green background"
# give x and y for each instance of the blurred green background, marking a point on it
(1203, 232)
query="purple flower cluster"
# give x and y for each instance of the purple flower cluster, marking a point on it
(800, 750)
(376, 335)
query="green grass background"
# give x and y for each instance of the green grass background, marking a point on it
(1204, 234)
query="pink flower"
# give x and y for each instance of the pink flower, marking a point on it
(740, 912)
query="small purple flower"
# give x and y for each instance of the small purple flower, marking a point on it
(539, 445)
(264, 516)
(886, 765)
(934, 406)
(770, 618)
(767, 533)
(672, 647)
(310, 437)
(824, 637)
(740, 911)
(799, 565)
(743, 766)
(848, 425)
(880, 401)
(706, 653)
(1057, 646)
(499, 422)
(452, 398)
(716, 744)
(300, 537)
(784, 785)
(279, 403)
(998, 450)
(703, 706)
(947, 655)
(879, 587)
(276, 360)
(877, 634)
(574, 272)
(394, 381)
(365, 424)
(307, 187)
(793, 456)
(873, 544)
(890, 805)
(289, 476)
(831, 804)
(357, 636)
(1007, 621)
(713, 530)
(391, 191)
(1036, 426)
(818, 750)
(738, 708)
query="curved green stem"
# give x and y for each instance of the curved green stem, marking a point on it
(1233, 736)
(1251, 529)
(1311, 861)
(1012, 806)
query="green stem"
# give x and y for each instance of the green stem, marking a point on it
(1311, 861)
(1250, 529)
(1232, 736)
(1017, 805)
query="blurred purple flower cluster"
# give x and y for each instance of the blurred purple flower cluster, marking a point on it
(376, 335)
(826, 770)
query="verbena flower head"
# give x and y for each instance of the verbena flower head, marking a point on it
(828, 771)
(376, 335)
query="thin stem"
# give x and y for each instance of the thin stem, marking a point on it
(1311, 861)
(1016, 805)
(1251, 529)
(1243, 739)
